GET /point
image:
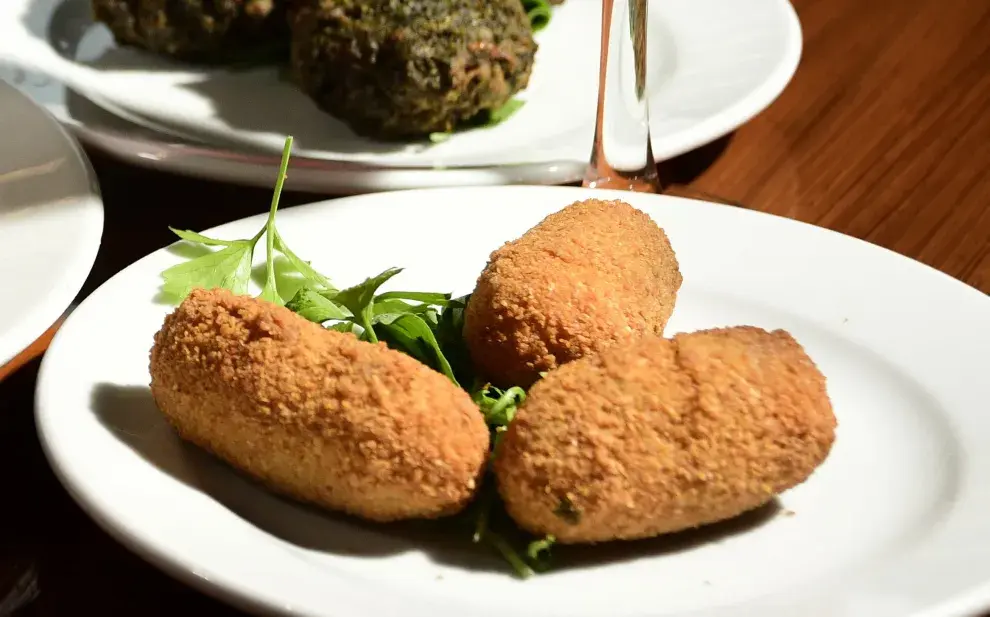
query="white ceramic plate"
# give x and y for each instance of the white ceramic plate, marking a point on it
(894, 524)
(51, 221)
(715, 64)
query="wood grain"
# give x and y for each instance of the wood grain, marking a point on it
(884, 134)
(34, 350)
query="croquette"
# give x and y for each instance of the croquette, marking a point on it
(404, 69)
(660, 435)
(585, 278)
(196, 30)
(315, 414)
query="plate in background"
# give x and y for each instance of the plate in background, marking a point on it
(718, 63)
(51, 221)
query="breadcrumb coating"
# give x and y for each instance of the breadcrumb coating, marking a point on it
(661, 435)
(317, 415)
(585, 278)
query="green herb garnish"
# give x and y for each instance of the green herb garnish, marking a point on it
(539, 13)
(499, 406)
(425, 325)
(230, 267)
(484, 119)
(539, 554)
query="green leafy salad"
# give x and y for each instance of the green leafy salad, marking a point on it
(425, 325)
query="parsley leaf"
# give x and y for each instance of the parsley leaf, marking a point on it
(192, 236)
(229, 268)
(301, 266)
(270, 290)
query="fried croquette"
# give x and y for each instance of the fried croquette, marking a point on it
(315, 414)
(585, 278)
(660, 435)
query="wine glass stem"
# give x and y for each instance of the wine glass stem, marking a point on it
(622, 155)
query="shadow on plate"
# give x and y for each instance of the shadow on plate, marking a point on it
(131, 414)
(261, 100)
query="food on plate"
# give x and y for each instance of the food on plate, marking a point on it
(398, 70)
(640, 436)
(390, 70)
(587, 277)
(317, 415)
(657, 435)
(196, 30)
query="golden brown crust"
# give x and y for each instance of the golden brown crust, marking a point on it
(659, 435)
(591, 275)
(317, 415)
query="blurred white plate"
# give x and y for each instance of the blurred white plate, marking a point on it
(51, 221)
(894, 524)
(715, 64)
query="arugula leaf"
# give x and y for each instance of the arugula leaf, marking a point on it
(398, 307)
(303, 267)
(314, 306)
(425, 297)
(359, 300)
(449, 333)
(498, 406)
(410, 333)
(192, 236)
(229, 268)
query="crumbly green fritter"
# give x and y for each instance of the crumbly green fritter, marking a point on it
(398, 69)
(196, 30)
(658, 435)
(587, 277)
(317, 415)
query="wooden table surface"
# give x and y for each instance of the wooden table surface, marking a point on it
(884, 134)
